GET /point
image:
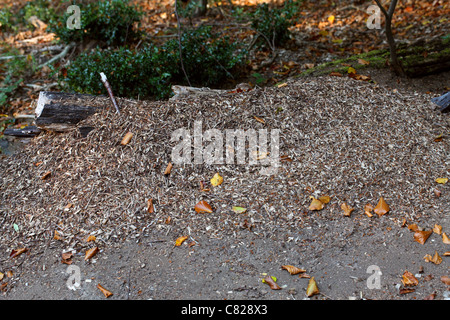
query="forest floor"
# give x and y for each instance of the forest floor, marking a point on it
(350, 140)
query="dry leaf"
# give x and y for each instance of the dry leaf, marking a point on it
(447, 253)
(46, 175)
(364, 62)
(437, 193)
(292, 269)
(336, 74)
(126, 139)
(437, 229)
(382, 207)
(180, 241)
(331, 19)
(442, 180)
(91, 253)
(168, 168)
(18, 252)
(406, 290)
(315, 204)
(446, 280)
(1, 276)
(351, 70)
(422, 236)
(413, 227)
(56, 236)
(216, 180)
(203, 207)
(368, 208)
(430, 297)
(408, 279)
(150, 208)
(239, 209)
(259, 119)
(271, 282)
(324, 199)
(312, 287)
(445, 239)
(304, 275)
(105, 292)
(347, 209)
(436, 258)
(91, 238)
(67, 257)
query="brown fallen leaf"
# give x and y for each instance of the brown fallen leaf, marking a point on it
(446, 280)
(312, 288)
(271, 282)
(316, 204)
(368, 208)
(347, 209)
(18, 252)
(445, 238)
(203, 207)
(259, 119)
(437, 229)
(413, 227)
(168, 169)
(304, 275)
(150, 208)
(46, 175)
(66, 258)
(127, 138)
(180, 241)
(91, 238)
(436, 259)
(382, 207)
(408, 279)
(422, 236)
(292, 269)
(105, 292)
(437, 193)
(447, 253)
(406, 290)
(91, 253)
(430, 297)
(336, 74)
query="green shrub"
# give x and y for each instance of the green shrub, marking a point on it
(40, 8)
(150, 72)
(274, 23)
(6, 19)
(112, 22)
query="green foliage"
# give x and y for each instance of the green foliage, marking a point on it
(150, 72)
(112, 22)
(274, 23)
(40, 8)
(6, 19)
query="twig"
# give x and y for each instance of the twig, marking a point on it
(179, 43)
(58, 56)
(108, 87)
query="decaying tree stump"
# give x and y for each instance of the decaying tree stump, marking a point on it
(59, 111)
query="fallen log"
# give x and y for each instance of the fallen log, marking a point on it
(60, 111)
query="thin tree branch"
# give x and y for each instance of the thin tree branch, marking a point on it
(179, 43)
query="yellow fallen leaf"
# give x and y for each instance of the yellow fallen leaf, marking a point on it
(351, 70)
(180, 241)
(216, 180)
(312, 288)
(442, 180)
(315, 204)
(368, 208)
(91, 238)
(324, 199)
(331, 19)
(445, 239)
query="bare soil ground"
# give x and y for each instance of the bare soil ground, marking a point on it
(353, 141)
